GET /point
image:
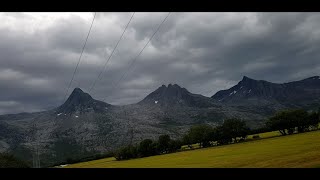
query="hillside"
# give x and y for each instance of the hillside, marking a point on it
(294, 151)
(294, 94)
(83, 126)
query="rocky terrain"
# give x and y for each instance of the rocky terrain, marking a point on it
(83, 126)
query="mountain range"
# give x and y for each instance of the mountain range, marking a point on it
(83, 126)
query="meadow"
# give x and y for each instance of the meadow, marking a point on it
(271, 151)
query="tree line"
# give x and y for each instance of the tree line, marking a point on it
(231, 131)
(10, 161)
(294, 120)
(148, 147)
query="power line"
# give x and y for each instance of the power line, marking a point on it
(134, 60)
(105, 65)
(35, 144)
(75, 70)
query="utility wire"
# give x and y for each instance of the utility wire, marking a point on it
(75, 70)
(134, 60)
(105, 65)
(36, 156)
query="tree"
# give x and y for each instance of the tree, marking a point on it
(235, 128)
(147, 148)
(10, 161)
(288, 120)
(314, 120)
(127, 152)
(200, 134)
(163, 143)
(214, 135)
(222, 135)
(281, 122)
(186, 140)
(174, 145)
(300, 119)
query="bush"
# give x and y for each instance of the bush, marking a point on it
(9, 161)
(128, 152)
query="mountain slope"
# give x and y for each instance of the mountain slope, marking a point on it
(175, 95)
(304, 93)
(82, 102)
(82, 125)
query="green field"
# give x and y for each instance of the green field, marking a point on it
(297, 150)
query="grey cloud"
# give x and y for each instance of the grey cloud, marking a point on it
(203, 52)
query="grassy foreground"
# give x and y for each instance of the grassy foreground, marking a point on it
(297, 150)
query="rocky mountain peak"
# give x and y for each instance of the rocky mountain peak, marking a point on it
(81, 102)
(173, 94)
(78, 96)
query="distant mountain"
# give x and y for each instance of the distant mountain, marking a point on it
(82, 102)
(83, 126)
(297, 94)
(175, 95)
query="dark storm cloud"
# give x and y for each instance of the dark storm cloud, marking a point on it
(203, 52)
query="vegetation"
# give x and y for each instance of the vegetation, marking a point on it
(289, 121)
(84, 159)
(9, 161)
(231, 131)
(297, 150)
(148, 147)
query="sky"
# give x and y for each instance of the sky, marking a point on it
(202, 52)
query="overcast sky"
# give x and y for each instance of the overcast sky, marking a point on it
(203, 52)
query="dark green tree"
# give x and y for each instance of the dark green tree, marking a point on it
(299, 119)
(287, 120)
(163, 143)
(280, 121)
(127, 152)
(200, 134)
(174, 145)
(9, 161)
(314, 120)
(222, 135)
(147, 148)
(186, 140)
(235, 128)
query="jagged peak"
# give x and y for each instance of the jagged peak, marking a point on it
(170, 86)
(78, 97)
(81, 101)
(78, 92)
(246, 78)
(173, 85)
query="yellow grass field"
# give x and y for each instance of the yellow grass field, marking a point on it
(297, 150)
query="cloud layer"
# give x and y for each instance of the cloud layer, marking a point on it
(203, 52)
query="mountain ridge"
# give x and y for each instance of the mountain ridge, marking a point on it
(248, 88)
(175, 95)
(83, 125)
(79, 101)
